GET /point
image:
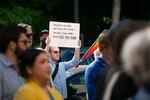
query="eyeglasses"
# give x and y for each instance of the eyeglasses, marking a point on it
(29, 35)
(23, 41)
(56, 52)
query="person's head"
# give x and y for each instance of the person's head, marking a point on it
(104, 46)
(43, 37)
(136, 57)
(119, 32)
(13, 39)
(29, 33)
(54, 54)
(34, 65)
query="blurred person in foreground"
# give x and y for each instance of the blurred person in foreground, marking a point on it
(93, 70)
(29, 33)
(59, 68)
(120, 86)
(13, 42)
(136, 62)
(35, 68)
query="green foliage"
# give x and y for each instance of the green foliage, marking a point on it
(107, 20)
(18, 14)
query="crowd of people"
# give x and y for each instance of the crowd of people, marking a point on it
(114, 82)
(120, 71)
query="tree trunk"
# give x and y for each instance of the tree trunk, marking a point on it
(76, 11)
(116, 11)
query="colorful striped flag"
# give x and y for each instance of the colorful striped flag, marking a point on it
(94, 46)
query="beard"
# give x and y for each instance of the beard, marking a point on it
(18, 52)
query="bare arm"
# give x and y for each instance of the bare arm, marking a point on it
(75, 60)
(77, 51)
(47, 46)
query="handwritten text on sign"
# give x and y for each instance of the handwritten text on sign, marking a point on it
(64, 34)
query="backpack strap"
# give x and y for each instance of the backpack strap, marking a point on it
(55, 71)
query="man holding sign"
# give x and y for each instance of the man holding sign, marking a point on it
(58, 68)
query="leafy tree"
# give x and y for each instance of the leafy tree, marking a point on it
(94, 15)
(18, 14)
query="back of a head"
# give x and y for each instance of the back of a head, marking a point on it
(136, 56)
(119, 32)
(9, 33)
(103, 40)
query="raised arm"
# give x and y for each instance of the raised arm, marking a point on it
(47, 46)
(75, 60)
(77, 51)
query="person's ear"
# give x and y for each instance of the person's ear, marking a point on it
(29, 70)
(12, 45)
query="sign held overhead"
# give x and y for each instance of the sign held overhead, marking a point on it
(64, 34)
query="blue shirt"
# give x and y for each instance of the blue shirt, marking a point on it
(10, 80)
(142, 94)
(60, 79)
(91, 75)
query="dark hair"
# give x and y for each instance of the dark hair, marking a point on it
(8, 34)
(103, 40)
(27, 59)
(119, 32)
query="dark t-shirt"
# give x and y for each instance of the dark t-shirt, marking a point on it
(123, 88)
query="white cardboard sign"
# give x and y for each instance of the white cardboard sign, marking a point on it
(64, 34)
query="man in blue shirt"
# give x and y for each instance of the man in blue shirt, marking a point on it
(60, 78)
(13, 41)
(93, 70)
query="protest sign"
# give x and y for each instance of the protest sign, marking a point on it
(64, 34)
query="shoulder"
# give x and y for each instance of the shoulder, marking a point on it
(55, 94)
(97, 62)
(25, 92)
(101, 60)
(25, 88)
(4, 62)
(95, 65)
(2, 66)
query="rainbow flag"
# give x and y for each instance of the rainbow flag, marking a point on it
(94, 46)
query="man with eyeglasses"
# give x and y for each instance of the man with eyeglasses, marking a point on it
(13, 41)
(59, 79)
(29, 33)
